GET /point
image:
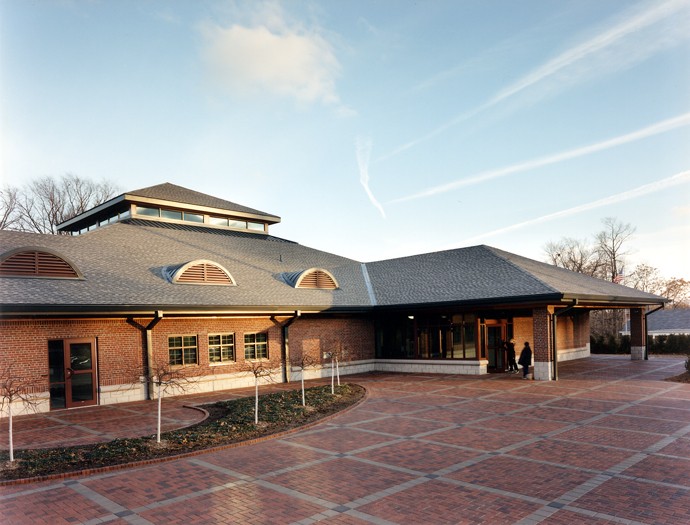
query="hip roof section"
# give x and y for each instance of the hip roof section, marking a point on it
(128, 264)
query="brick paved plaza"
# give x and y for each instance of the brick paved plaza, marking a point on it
(607, 443)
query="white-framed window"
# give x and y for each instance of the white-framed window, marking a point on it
(221, 348)
(256, 346)
(182, 349)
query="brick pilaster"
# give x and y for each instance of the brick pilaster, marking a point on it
(541, 346)
(637, 340)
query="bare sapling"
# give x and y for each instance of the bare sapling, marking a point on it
(167, 378)
(329, 355)
(339, 353)
(16, 390)
(303, 362)
(259, 370)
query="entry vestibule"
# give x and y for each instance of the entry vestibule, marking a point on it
(452, 336)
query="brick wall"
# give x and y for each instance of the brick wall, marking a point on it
(25, 344)
(541, 325)
(202, 327)
(120, 345)
(522, 331)
(313, 337)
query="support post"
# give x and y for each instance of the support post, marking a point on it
(542, 344)
(638, 345)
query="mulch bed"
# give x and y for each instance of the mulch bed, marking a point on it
(229, 422)
(682, 378)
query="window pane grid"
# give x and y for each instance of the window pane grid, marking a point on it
(256, 346)
(221, 348)
(182, 350)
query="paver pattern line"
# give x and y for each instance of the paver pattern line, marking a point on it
(429, 449)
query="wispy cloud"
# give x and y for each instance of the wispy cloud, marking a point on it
(630, 40)
(654, 129)
(272, 54)
(363, 149)
(679, 178)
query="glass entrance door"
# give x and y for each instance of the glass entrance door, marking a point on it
(72, 373)
(494, 345)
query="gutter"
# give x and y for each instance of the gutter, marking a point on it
(158, 315)
(285, 350)
(554, 326)
(118, 311)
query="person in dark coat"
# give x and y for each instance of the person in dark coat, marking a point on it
(525, 359)
(510, 356)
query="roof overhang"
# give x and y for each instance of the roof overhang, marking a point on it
(126, 311)
(533, 301)
(613, 301)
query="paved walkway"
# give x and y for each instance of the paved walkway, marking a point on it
(608, 443)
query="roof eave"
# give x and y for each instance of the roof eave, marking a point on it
(125, 311)
(82, 217)
(605, 301)
(271, 219)
(541, 299)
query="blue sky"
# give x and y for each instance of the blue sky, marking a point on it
(376, 128)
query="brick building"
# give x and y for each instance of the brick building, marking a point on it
(166, 276)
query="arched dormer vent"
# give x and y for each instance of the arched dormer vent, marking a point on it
(35, 262)
(314, 278)
(201, 272)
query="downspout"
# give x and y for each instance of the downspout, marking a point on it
(285, 350)
(646, 334)
(158, 315)
(554, 326)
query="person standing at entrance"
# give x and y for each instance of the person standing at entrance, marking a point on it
(525, 359)
(510, 354)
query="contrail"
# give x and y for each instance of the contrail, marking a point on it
(593, 48)
(654, 129)
(363, 150)
(597, 44)
(678, 178)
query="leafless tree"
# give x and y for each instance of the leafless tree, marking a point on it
(604, 259)
(167, 379)
(574, 255)
(16, 389)
(611, 244)
(338, 353)
(260, 371)
(303, 363)
(645, 278)
(678, 291)
(46, 202)
(9, 217)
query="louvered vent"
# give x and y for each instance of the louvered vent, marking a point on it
(317, 279)
(203, 273)
(34, 263)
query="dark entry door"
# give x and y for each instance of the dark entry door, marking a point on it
(494, 345)
(72, 373)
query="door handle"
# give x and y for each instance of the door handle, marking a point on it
(70, 372)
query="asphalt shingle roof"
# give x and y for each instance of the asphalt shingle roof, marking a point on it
(174, 193)
(676, 321)
(125, 264)
(128, 264)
